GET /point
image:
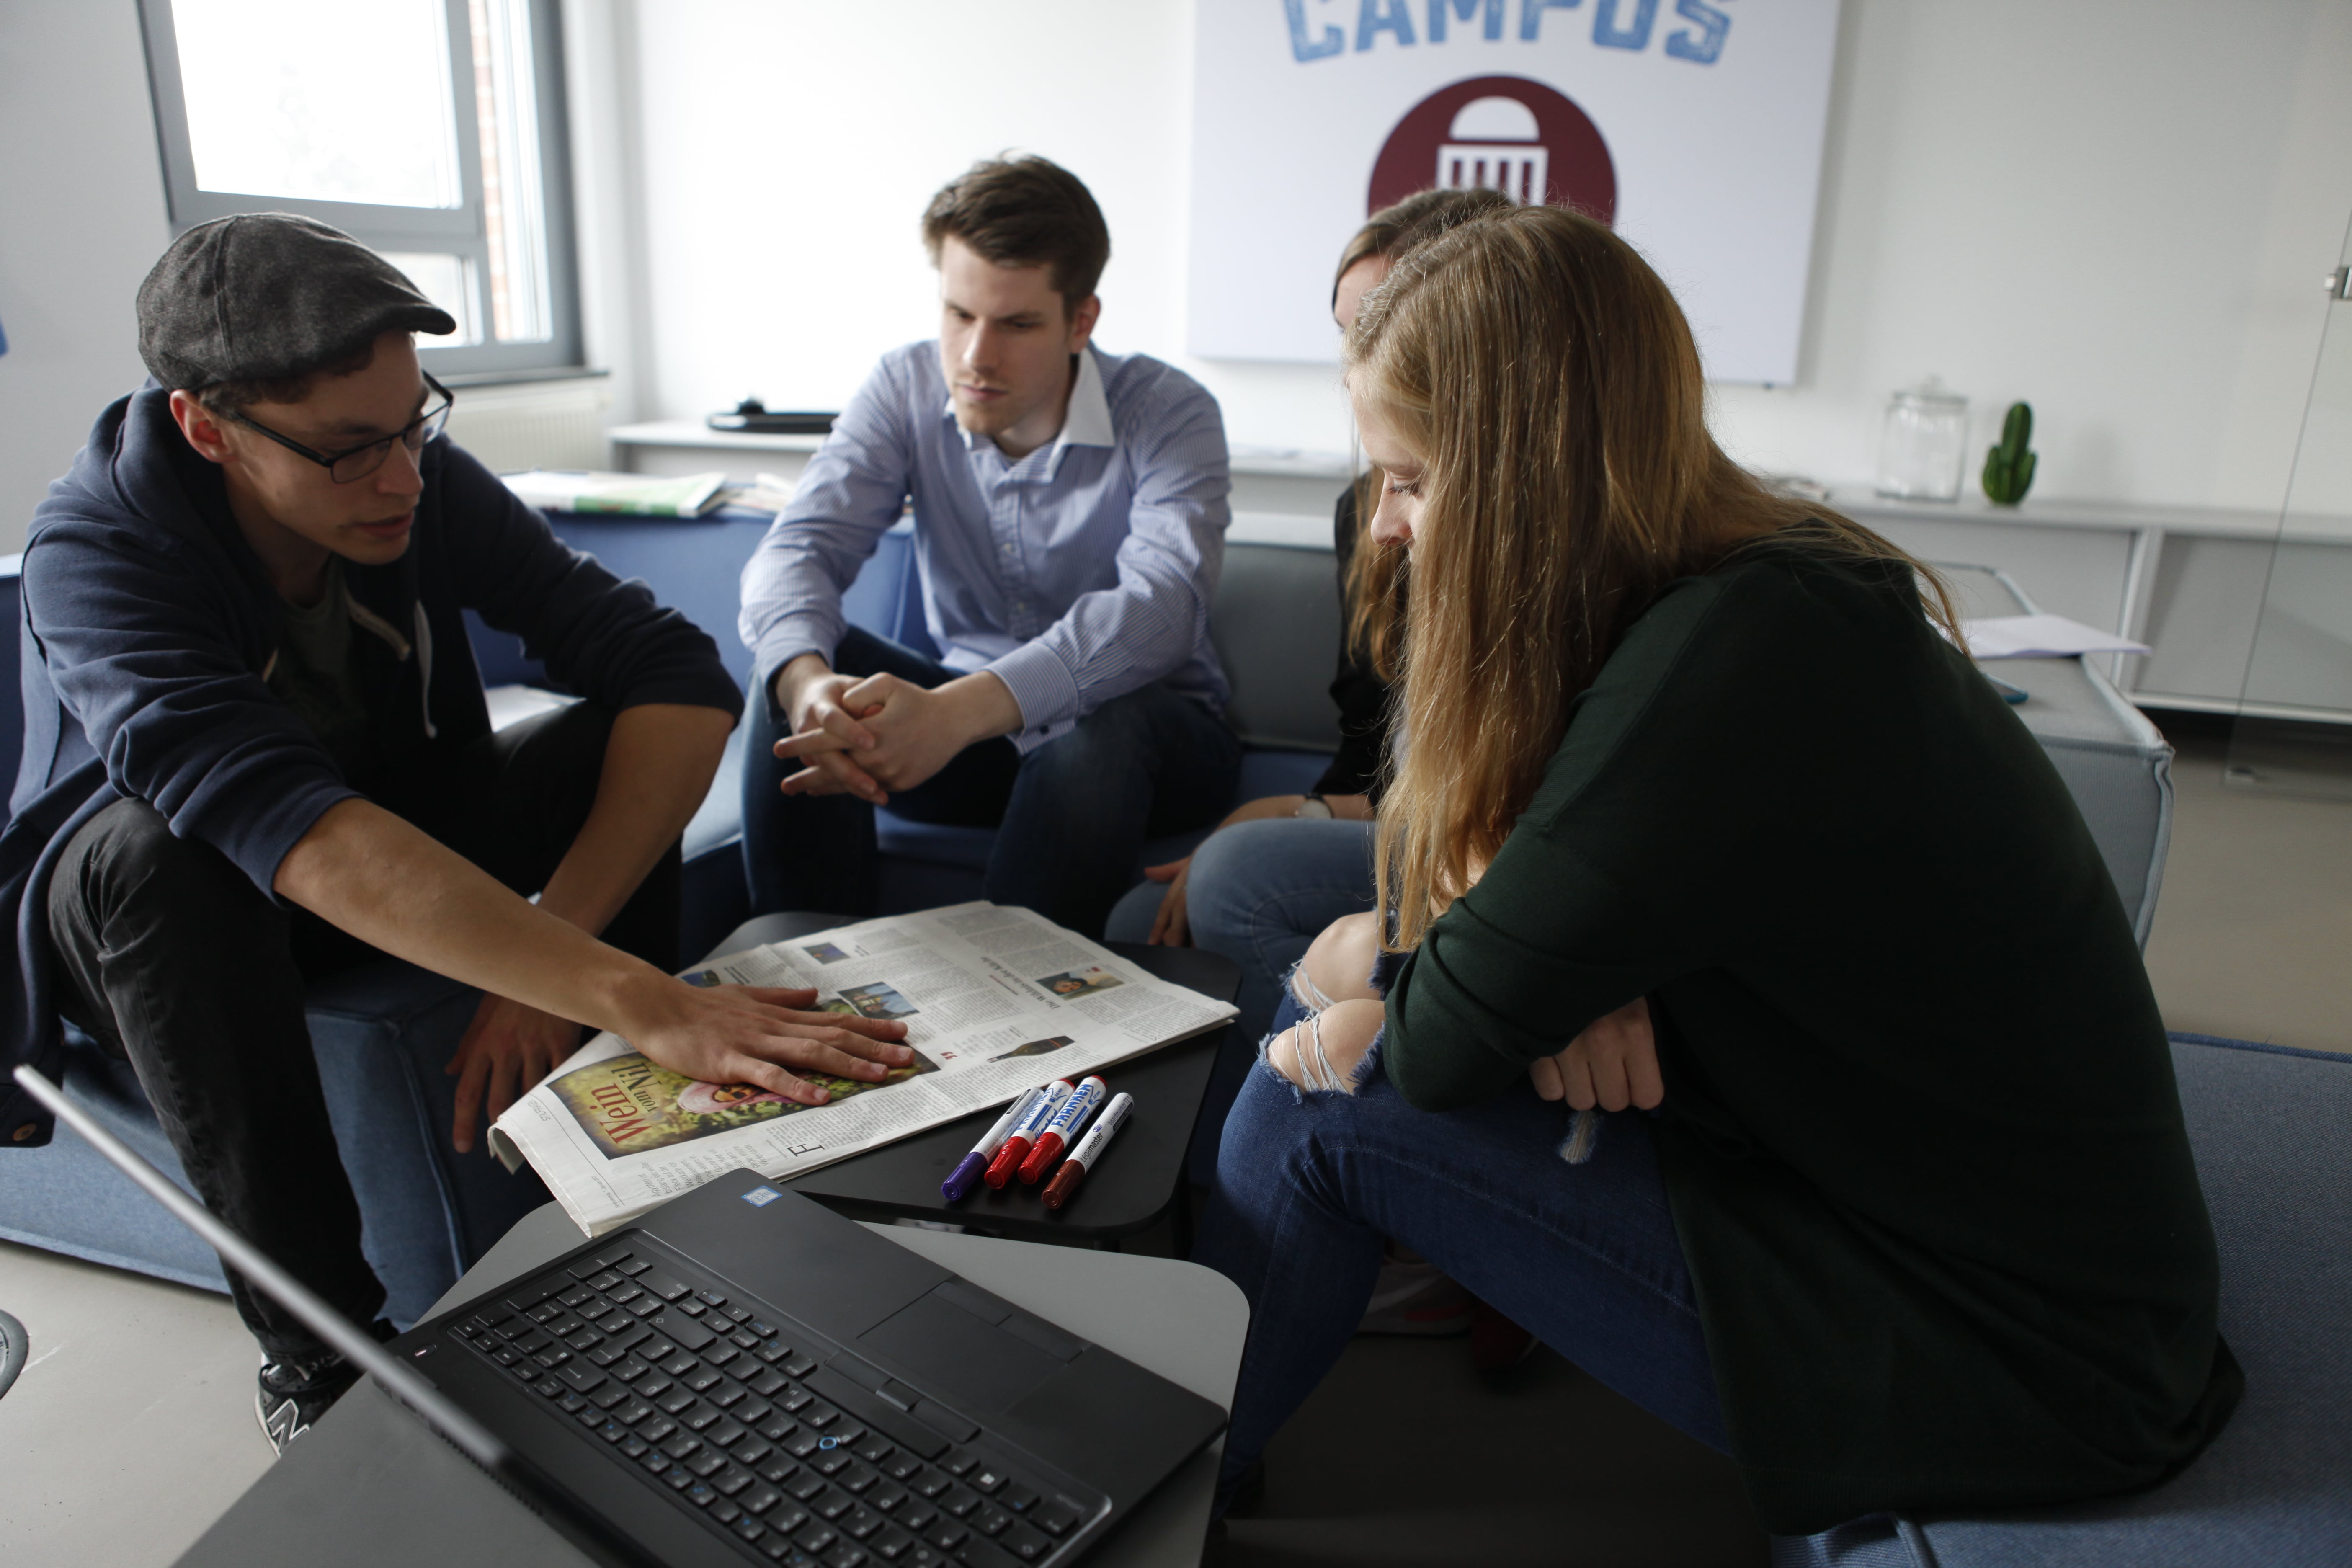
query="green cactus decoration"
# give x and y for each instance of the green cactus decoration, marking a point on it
(2009, 468)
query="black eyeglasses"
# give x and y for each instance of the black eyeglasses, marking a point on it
(346, 467)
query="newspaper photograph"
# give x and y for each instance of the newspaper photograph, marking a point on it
(994, 999)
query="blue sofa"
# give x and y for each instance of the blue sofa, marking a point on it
(1276, 621)
(382, 1032)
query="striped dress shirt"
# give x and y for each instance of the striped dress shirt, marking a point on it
(1080, 573)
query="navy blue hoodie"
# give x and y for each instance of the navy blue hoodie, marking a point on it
(149, 623)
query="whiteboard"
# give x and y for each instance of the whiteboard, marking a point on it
(1694, 126)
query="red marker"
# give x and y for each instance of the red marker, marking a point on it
(974, 1165)
(1074, 1170)
(1016, 1144)
(1063, 1130)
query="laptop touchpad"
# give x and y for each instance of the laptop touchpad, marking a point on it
(969, 1360)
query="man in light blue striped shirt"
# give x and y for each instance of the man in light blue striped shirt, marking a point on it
(1070, 509)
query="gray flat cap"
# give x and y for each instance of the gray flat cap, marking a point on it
(269, 297)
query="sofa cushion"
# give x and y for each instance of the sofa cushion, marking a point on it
(1263, 773)
(64, 1196)
(382, 1034)
(2268, 1125)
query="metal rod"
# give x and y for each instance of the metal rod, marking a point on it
(352, 1344)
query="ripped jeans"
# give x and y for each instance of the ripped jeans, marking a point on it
(1584, 1256)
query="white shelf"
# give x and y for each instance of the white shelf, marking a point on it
(1283, 463)
(694, 433)
(1286, 530)
(1265, 462)
(1859, 501)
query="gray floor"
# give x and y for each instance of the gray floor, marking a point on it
(133, 1429)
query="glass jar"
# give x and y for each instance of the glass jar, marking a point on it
(1924, 443)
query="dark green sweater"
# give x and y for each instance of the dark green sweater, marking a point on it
(1920, 1134)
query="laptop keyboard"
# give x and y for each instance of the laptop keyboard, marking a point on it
(707, 1397)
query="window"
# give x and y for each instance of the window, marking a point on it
(431, 131)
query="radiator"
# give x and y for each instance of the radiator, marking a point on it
(533, 425)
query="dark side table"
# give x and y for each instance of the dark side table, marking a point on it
(1140, 1180)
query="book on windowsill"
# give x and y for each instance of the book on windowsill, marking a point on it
(635, 495)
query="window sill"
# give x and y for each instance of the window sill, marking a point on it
(518, 377)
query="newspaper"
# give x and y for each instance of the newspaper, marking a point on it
(994, 999)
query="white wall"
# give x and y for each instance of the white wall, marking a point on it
(81, 220)
(2118, 209)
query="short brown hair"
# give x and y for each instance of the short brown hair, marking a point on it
(1025, 212)
(228, 399)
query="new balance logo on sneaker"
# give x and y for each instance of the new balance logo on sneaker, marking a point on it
(292, 1395)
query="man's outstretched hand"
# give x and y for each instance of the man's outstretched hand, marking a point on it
(758, 1034)
(718, 1034)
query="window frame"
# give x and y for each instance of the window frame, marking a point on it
(460, 230)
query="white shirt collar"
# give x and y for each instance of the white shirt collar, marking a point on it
(1085, 423)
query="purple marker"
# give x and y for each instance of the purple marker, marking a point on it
(960, 1180)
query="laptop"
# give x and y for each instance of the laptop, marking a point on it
(742, 1377)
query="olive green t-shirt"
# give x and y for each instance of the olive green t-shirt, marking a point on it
(1920, 1134)
(314, 675)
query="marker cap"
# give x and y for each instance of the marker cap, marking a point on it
(1041, 1158)
(1062, 1129)
(1065, 1183)
(964, 1177)
(1007, 1162)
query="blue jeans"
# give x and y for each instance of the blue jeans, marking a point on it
(1259, 893)
(1583, 1256)
(1071, 816)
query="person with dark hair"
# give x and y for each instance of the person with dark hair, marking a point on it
(1280, 869)
(257, 751)
(1069, 512)
(1266, 891)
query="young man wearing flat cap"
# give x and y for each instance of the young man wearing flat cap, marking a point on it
(257, 751)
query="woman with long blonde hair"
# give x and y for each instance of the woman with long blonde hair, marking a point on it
(1280, 867)
(1707, 828)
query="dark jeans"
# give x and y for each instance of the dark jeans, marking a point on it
(1583, 1256)
(1072, 816)
(173, 959)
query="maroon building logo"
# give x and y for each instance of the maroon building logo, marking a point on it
(1504, 133)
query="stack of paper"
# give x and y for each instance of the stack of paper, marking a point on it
(635, 494)
(2040, 636)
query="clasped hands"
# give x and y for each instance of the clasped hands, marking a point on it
(1612, 1062)
(868, 735)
